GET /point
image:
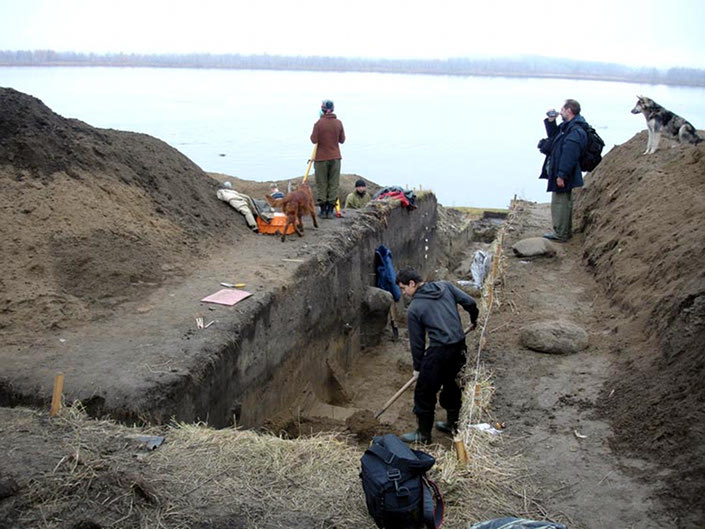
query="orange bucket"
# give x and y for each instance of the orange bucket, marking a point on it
(275, 226)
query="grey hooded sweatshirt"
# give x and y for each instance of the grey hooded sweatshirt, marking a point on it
(433, 310)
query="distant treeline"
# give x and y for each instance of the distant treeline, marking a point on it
(530, 66)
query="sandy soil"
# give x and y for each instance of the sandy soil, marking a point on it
(96, 221)
(551, 403)
(93, 218)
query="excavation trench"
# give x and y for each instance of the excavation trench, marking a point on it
(284, 353)
(294, 367)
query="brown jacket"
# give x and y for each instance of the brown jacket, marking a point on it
(328, 133)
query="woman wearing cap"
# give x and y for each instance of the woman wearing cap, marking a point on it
(359, 197)
(328, 133)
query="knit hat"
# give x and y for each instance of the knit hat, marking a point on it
(327, 106)
(360, 183)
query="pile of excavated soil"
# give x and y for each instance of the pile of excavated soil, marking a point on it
(92, 218)
(642, 217)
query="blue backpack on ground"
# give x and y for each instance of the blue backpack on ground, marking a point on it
(397, 492)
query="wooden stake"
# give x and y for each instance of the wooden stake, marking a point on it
(460, 450)
(56, 397)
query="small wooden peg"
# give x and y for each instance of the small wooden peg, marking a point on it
(56, 397)
(459, 445)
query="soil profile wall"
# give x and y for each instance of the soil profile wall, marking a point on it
(293, 345)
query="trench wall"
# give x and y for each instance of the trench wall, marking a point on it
(285, 346)
(285, 349)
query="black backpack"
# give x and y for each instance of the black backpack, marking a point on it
(397, 493)
(592, 154)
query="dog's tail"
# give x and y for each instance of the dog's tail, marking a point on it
(691, 134)
(274, 202)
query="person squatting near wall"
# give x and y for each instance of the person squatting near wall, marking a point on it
(359, 197)
(274, 191)
(433, 311)
(328, 133)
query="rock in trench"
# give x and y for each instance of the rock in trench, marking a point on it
(555, 337)
(534, 247)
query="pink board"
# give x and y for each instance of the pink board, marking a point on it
(227, 296)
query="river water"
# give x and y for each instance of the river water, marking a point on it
(472, 140)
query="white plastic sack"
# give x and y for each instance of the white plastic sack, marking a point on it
(481, 262)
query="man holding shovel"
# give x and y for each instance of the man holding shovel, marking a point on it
(434, 311)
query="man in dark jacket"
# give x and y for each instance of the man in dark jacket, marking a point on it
(433, 311)
(328, 133)
(567, 141)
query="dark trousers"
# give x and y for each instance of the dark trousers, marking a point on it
(439, 369)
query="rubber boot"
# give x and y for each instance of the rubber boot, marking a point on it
(329, 210)
(324, 208)
(451, 425)
(422, 434)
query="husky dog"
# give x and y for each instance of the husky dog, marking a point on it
(659, 120)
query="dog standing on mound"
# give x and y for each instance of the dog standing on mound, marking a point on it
(295, 205)
(660, 121)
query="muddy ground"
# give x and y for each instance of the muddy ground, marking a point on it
(96, 221)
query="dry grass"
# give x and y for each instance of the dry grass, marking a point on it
(477, 212)
(201, 477)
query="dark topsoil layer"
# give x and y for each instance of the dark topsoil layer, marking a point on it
(91, 218)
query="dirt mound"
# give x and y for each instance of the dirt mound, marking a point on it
(645, 240)
(92, 217)
(364, 425)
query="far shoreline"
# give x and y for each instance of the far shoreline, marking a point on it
(513, 75)
(513, 67)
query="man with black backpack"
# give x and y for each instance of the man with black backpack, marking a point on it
(564, 147)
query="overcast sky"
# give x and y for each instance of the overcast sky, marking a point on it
(638, 33)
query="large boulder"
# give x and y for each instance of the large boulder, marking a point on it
(375, 314)
(555, 337)
(534, 247)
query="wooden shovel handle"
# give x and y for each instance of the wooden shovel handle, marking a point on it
(310, 161)
(402, 390)
(395, 397)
